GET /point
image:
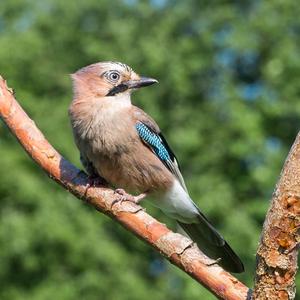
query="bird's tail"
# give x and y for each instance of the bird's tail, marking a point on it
(213, 244)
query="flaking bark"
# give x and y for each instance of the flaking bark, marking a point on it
(278, 249)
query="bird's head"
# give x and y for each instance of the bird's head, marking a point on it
(107, 79)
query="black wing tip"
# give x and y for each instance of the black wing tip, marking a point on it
(233, 267)
(232, 263)
(240, 269)
(215, 247)
(237, 269)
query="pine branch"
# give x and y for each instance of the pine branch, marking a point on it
(178, 249)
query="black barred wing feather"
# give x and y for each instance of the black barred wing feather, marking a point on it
(158, 144)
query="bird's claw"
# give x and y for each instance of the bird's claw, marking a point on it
(94, 181)
(124, 196)
(127, 197)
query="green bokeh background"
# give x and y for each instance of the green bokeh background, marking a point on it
(228, 103)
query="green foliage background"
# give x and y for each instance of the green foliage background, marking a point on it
(228, 102)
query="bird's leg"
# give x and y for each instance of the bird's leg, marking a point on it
(94, 181)
(127, 197)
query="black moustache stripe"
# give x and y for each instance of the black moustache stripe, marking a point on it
(117, 89)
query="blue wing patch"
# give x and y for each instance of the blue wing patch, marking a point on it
(153, 140)
(160, 147)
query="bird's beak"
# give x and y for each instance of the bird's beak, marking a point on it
(131, 84)
(143, 81)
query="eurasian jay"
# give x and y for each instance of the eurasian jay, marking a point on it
(122, 144)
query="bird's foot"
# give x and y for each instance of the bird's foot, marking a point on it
(127, 197)
(94, 181)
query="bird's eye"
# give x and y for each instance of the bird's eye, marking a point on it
(113, 76)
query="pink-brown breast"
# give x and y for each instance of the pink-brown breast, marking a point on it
(132, 165)
(110, 141)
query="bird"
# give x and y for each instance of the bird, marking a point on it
(121, 144)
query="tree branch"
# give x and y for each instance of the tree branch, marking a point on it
(179, 250)
(278, 250)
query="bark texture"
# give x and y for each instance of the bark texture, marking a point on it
(278, 250)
